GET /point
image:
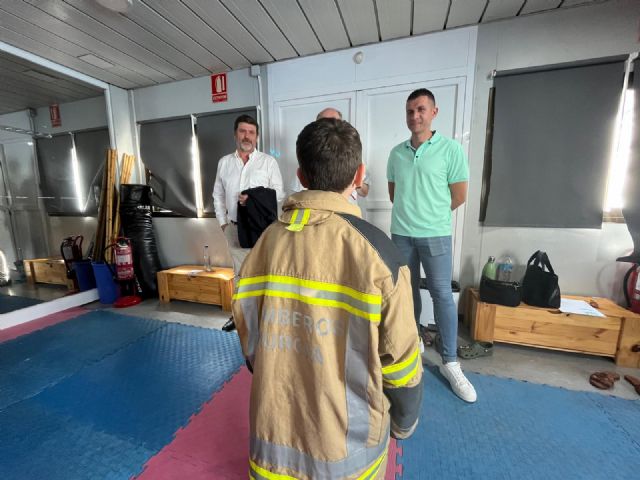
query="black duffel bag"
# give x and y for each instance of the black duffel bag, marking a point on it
(508, 294)
(540, 287)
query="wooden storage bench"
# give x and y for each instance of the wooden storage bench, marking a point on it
(616, 335)
(193, 284)
(47, 270)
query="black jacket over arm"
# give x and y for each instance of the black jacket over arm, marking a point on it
(260, 211)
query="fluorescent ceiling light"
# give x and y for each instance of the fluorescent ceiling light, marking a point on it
(95, 61)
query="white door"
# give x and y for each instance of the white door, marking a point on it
(380, 119)
(291, 116)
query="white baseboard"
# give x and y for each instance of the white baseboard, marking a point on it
(27, 314)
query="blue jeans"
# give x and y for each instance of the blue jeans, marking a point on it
(435, 255)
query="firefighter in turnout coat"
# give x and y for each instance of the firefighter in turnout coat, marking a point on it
(324, 311)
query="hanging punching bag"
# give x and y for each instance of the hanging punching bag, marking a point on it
(135, 215)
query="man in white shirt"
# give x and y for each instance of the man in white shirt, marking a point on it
(243, 169)
(362, 190)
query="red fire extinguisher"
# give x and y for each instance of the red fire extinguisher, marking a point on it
(125, 274)
(124, 259)
(632, 288)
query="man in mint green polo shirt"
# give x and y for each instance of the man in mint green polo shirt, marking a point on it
(428, 177)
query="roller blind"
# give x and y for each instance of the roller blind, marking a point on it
(551, 145)
(165, 149)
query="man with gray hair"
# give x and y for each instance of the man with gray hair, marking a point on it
(362, 190)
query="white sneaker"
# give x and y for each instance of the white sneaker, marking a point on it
(459, 383)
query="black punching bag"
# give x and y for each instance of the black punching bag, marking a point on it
(135, 215)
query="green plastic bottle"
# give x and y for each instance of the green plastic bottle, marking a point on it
(490, 268)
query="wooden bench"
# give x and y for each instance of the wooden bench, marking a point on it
(616, 335)
(193, 284)
(47, 270)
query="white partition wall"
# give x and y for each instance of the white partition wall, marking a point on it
(371, 95)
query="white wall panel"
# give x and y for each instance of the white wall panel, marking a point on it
(181, 241)
(79, 115)
(194, 96)
(417, 55)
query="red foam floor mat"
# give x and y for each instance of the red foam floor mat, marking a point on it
(215, 443)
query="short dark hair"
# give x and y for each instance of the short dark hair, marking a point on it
(245, 119)
(421, 92)
(329, 153)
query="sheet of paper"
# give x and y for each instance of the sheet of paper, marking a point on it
(580, 307)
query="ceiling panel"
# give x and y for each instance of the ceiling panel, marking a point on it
(261, 25)
(158, 41)
(499, 9)
(124, 64)
(360, 19)
(149, 19)
(222, 21)
(104, 34)
(394, 18)
(294, 25)
(139, 35)
(30, 45)
(533, 6)
(465, 12)
(24, 84)
(326, 22)
(11, 65)
(198, 31)
(429, 15)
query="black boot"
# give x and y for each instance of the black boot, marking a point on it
(229, 326)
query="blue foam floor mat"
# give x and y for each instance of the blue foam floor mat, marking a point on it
(9, 303)
(108, 417)
(519, 430)
(30, 363)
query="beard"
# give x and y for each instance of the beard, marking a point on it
(245, 146)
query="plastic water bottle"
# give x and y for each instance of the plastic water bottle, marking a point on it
(489, 269)
(207, 259)
(505, 269)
